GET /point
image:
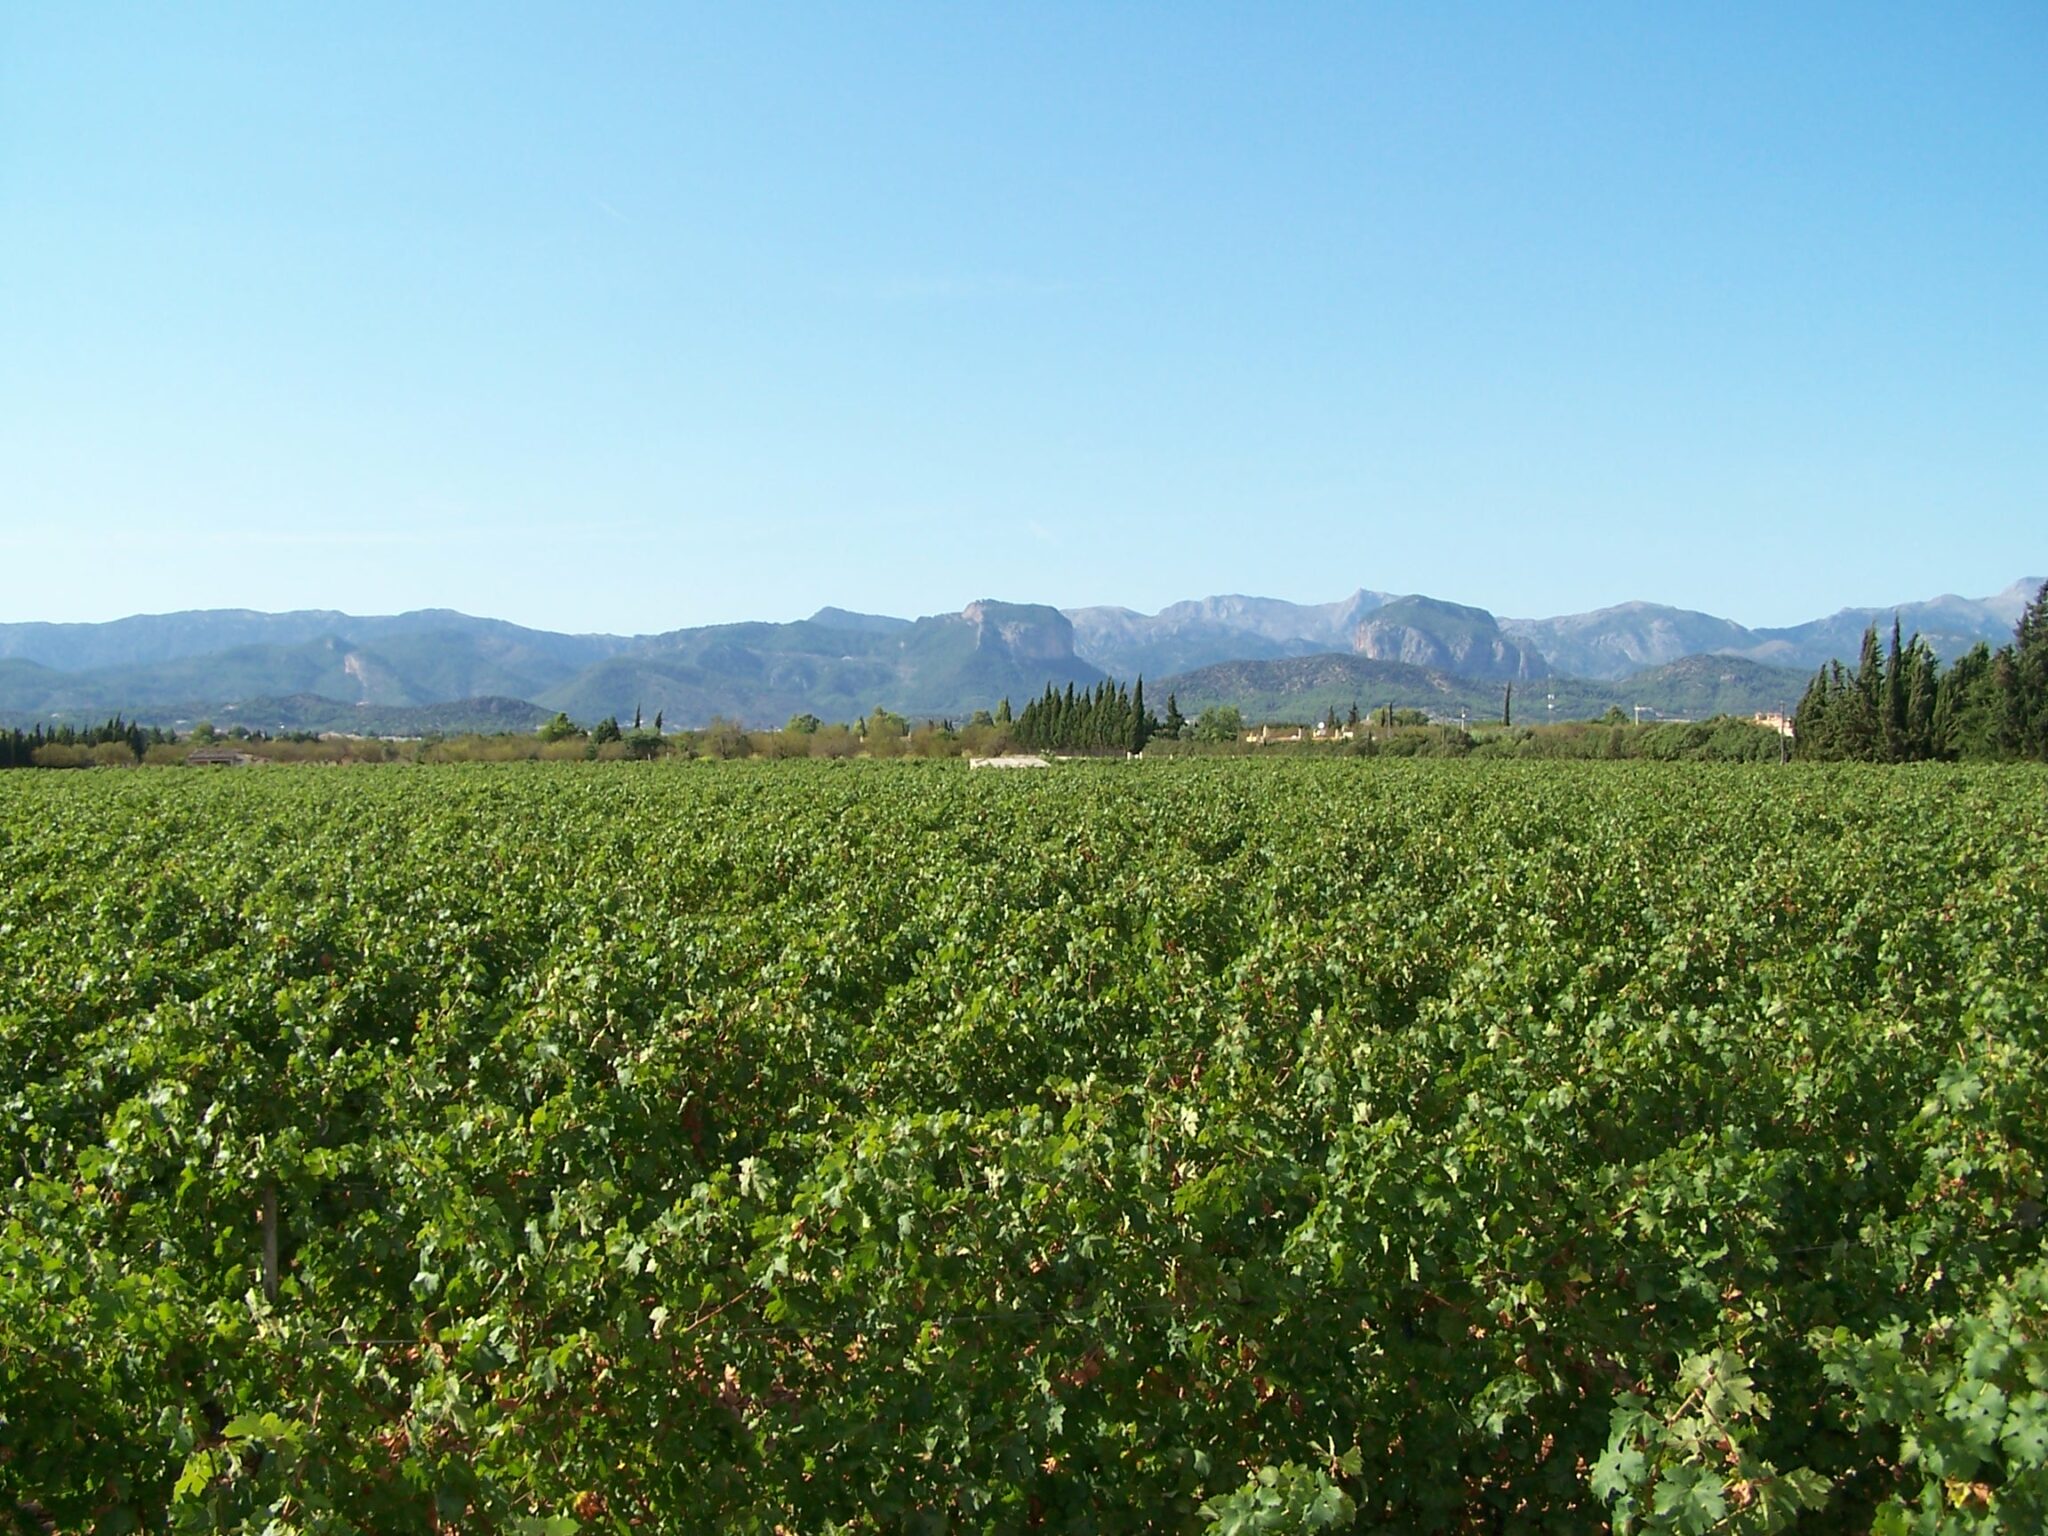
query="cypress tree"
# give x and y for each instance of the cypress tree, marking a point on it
(1922, 690)
(1894, 724)
(1856, 707)
(1813, 723)
(2026, 705)
(2004, 717)
(1174, 723)
(1869, 683)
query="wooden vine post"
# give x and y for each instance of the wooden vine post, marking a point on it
(270, 1241)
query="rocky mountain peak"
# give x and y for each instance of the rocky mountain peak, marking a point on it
(1028, 631)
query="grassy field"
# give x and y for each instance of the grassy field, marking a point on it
(881, 1146)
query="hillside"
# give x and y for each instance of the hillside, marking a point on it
(1305, 688)
(1698, 686)
(835, 666)
(1302, 688)
(310, 712)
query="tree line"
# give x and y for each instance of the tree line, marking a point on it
(1106, 718)
(18, 748)
(1897, 704)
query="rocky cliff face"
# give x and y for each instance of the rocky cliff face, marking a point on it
(1422, 632)
(1027, 631)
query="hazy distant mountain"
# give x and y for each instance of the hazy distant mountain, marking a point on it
(1419, 631)
(436, 665)
(402, 670)
(148, 639)
(1211, 629)
(1611, 642)
(1948, 623)
(866, 623)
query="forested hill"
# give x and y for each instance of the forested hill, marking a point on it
(1307, 687)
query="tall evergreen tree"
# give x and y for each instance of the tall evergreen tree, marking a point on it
(1922, 691)
(1860, 733)
(2007, 717)
(2027, 688)
(1812, 727)
(1893, 723)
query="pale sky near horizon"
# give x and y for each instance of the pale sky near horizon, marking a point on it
(630, 317)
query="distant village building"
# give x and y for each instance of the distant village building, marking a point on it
(1009, 760)
(218, 757)
(1774, 720)
(1273, 735)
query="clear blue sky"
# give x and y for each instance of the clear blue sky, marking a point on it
(627, 318)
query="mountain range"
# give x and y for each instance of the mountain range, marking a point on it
(436, 669)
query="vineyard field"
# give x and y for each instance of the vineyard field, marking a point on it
(1197, 1145)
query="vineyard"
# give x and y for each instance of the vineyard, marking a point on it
(1183, 1146)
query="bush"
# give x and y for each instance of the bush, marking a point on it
(834, 741)
(724, 740)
